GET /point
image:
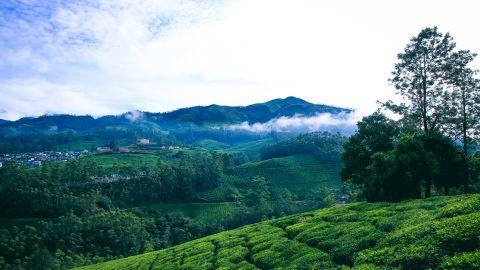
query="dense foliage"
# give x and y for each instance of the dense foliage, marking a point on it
(322, 145)
(59, 188)
(390, 165)
(420, 234)
(32, 143)
(79, 200)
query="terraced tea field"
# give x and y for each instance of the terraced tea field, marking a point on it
(441, 232)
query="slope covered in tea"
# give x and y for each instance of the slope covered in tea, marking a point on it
(441, 232)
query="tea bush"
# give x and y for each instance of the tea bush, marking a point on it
(441, 232)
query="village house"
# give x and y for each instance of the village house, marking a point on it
(123, 149)
(104, 150)
(34, 163)
(143, 141)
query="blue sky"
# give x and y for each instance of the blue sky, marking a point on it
(106, 57)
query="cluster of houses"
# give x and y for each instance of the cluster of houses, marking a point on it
(35, 159)
(105, 149)
(142, 144)
(170, 147)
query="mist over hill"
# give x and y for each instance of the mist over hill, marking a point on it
(288, 114)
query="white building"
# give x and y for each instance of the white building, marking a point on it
(143, 141)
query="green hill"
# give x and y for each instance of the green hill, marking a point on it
(301, 175)
(441, 232)
(250, 148)
(297, 173)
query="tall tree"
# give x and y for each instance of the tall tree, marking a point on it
(417, 76)
(464, 101)
(464, 98)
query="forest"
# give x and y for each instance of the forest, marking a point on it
(83, 211)
(322, 145)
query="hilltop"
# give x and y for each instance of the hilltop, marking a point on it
(440, 232)
(198, 115)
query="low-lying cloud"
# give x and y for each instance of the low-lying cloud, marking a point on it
(134, 116)
(343, 123)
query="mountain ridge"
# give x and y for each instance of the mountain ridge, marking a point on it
(197, 115)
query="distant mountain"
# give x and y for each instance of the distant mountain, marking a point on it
(3, 121)
(198, 115)
(260, 112)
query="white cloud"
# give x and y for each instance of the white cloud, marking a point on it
(134, 116)
(116, 56)
(38, 97)
(343, 122)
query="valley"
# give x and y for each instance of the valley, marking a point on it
(144, 185)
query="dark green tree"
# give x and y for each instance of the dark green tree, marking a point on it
(445, 162)
(42, 260)
(113, 144)
(396, 174)
(375, 133)
(416, 163)
(258, 196)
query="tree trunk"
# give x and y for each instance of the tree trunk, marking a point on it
(466, 187)
(465, 142)
(428, 185)
(424, 95)
(464, 124)
(424, 106)
(447, 190)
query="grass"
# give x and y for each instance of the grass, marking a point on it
(441, 232)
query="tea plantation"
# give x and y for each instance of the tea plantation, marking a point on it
(441, 232)
(298, 173)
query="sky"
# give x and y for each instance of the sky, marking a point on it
(103, 57)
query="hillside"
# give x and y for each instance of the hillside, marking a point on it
(299, 173)
(416, 234)
(302, 176)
